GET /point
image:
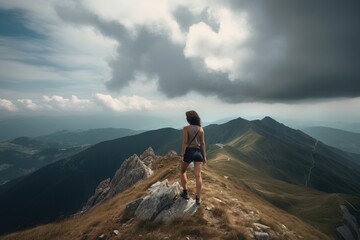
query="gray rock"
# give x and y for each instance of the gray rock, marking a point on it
(132, 206)
(350, 228)
(171, 153)
(179, 208)
(154, 186)
(160, 199)
(131, 171)
(102, 236)
(345, 233)
(148, 153)
(261, 235)
(100, 193)
(148, 157)
(260, 226)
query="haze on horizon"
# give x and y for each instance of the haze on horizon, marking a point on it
(288, 60)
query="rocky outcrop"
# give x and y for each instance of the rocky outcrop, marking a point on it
(350, 228)
(171, 153)
(162, 204)
(131, 171)
(148, 157)
(100, 194)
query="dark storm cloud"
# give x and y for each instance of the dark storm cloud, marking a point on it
(319, 42)
(322, 52)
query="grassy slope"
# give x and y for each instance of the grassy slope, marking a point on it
(233, 210)
(309, 205)
(62, 188)
(265, 147)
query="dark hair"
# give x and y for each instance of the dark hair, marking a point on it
(193, 118)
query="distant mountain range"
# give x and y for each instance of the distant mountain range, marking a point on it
(284, 166)
(11, 128)
(68, 138)
(23, 155)
(344, 140)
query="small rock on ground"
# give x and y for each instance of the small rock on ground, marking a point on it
(261, 235)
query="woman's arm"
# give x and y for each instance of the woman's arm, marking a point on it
(203, 145)
(185, 141)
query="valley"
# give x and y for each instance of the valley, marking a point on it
(24, 155)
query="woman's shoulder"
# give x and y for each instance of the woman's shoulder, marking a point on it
(192, 127)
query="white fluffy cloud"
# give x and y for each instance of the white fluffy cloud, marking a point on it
(73, 103)
(99, 103)
(221, 50)
(7, 105)
(124, 103)
(53, 103)
(29, 104)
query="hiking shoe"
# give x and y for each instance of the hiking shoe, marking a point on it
(197, 200)
(185, 195)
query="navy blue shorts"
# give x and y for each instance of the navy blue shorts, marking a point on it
(193, 154)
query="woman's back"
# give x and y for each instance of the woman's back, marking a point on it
(192, 130)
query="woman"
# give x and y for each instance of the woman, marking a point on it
(193, 150)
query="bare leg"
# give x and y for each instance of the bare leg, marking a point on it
(197, 171)
(183, 176)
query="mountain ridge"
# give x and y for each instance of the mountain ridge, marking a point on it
(341, 139)
(229, 211)
(273, 151)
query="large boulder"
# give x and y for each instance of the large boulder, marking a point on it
(164, 203)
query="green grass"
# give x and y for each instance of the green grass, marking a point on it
(314, 207)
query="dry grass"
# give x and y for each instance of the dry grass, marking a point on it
(228, 211)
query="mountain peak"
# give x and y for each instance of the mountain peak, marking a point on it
(269, 120)
(272, 123)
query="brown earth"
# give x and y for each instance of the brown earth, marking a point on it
(228, 211)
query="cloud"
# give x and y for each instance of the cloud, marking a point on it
(238, 51)
(12, 70)
(57, 52)
(53, 103)
(225, 49)
(73, 103)
(98, 103)
(123, 103)
(156, 16)
(271, 58)
(7, 105)
(29, 104)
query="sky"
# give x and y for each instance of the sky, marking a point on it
(285, 59)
